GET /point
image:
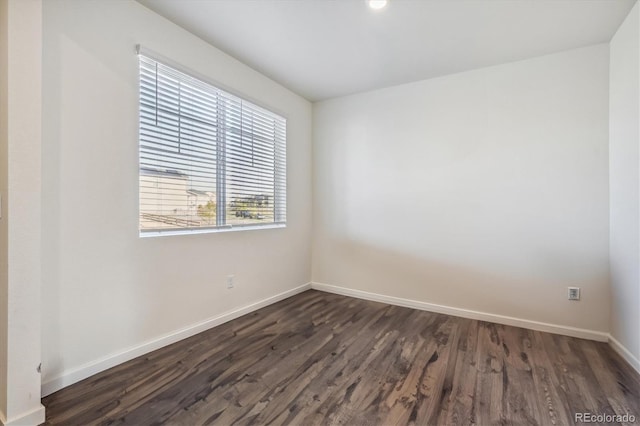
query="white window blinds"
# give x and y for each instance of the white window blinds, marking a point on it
(208, 159)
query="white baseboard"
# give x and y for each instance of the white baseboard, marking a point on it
(89, 369)
(624, 353)
(465, 313)
(31, 418)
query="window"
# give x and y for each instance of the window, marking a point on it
(208, 159)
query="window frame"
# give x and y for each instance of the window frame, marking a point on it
(279, 208)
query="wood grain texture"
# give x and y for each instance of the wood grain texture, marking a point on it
(324, 359)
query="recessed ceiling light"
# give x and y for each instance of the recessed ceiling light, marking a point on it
(377, 4)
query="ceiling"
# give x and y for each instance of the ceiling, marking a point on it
(322, 49)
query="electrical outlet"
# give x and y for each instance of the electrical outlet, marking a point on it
(230, 281)
(573, 293)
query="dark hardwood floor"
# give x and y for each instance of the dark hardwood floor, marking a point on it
(319, 358)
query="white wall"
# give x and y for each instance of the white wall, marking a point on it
(624, 166)
(485, 190)
(105, 289)
(20, 272)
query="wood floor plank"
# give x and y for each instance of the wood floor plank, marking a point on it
(324, 359)
(550, 394)
(462, 409)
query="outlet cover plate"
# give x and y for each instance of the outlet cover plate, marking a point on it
(573, 293)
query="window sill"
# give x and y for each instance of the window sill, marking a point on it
(171, 232)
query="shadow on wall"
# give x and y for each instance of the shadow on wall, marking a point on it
(365, 267)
